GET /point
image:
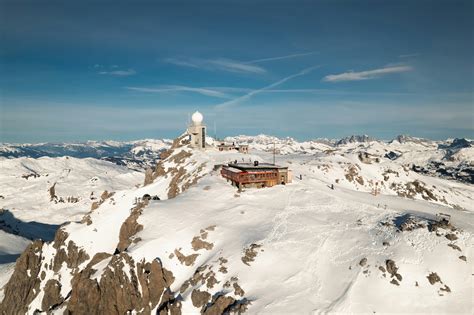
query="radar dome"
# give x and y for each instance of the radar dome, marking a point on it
(197, 118)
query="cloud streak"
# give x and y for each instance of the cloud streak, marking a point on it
(281, 57)
(366, 75)
(120, 73)
(229, 65)
(180, 88)
(409, 55)
(221, 64)
(244, 97)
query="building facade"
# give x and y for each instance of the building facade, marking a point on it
(242, 148)
(197, 131)
(256, 175)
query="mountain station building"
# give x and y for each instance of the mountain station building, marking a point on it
(242, 148)
(256, 175)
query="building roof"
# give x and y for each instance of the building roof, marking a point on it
(233, 169)
(252, 167)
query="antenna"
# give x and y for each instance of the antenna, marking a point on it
(215, 131)
(273, 153)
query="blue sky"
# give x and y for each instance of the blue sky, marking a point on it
(73, 71)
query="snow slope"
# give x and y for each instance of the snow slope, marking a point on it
(26, 209)
(299, 248)
(25, 186)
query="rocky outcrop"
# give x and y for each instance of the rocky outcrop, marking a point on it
(222, 304)
(24, 284)
(408, 139)
(250, 253)
(151, 175)
(72, 255)
(130, 227)
(52, 192)
(200, 298)
(180, 176)
(148, 177)
(123, 286)
(52, 295)
(355, 139)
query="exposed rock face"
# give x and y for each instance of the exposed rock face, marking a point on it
(176, 161)
(52, 192)
(159, 171)
(200, 298)
(352, 174)
(406, 139)
(72, 256)
(250, 254)
(52, 295)
(186, 260)
(177, 176)
(222, 304)
(433, 278)
(123, 286)
(148, 177)
(355, 139)
(130, 227)
(23, 286)
(391, 267)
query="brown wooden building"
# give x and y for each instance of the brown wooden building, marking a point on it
(245, 175)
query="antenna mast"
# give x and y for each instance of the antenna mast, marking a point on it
(215, 131)
(273, 153)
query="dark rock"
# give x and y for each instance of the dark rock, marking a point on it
(52, 295)
(398, 276)
(455, 247)
(119, 288)
(433, 278)
(23, 285)
(451, 237)
(200, 298)
(391, 267)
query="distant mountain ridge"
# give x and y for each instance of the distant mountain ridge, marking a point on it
(134, 154)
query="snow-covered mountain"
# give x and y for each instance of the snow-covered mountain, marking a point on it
(355, 232)
(451, 159)
(38, 195)
(134, 154)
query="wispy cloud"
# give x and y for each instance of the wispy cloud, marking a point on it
(119, 72)
(282, 57)
(409, 55)
(229, 65)
(268, 87)
(366, 75)
(180, 88)
(221, 64)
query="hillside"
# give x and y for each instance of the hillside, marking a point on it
(371, 244)
(137, 155)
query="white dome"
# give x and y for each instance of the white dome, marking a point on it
(197, 118)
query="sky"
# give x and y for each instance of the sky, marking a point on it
(124, 70)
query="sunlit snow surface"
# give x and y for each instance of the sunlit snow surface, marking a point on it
(312, 237)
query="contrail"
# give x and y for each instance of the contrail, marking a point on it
(281, 57)
(254, 92)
